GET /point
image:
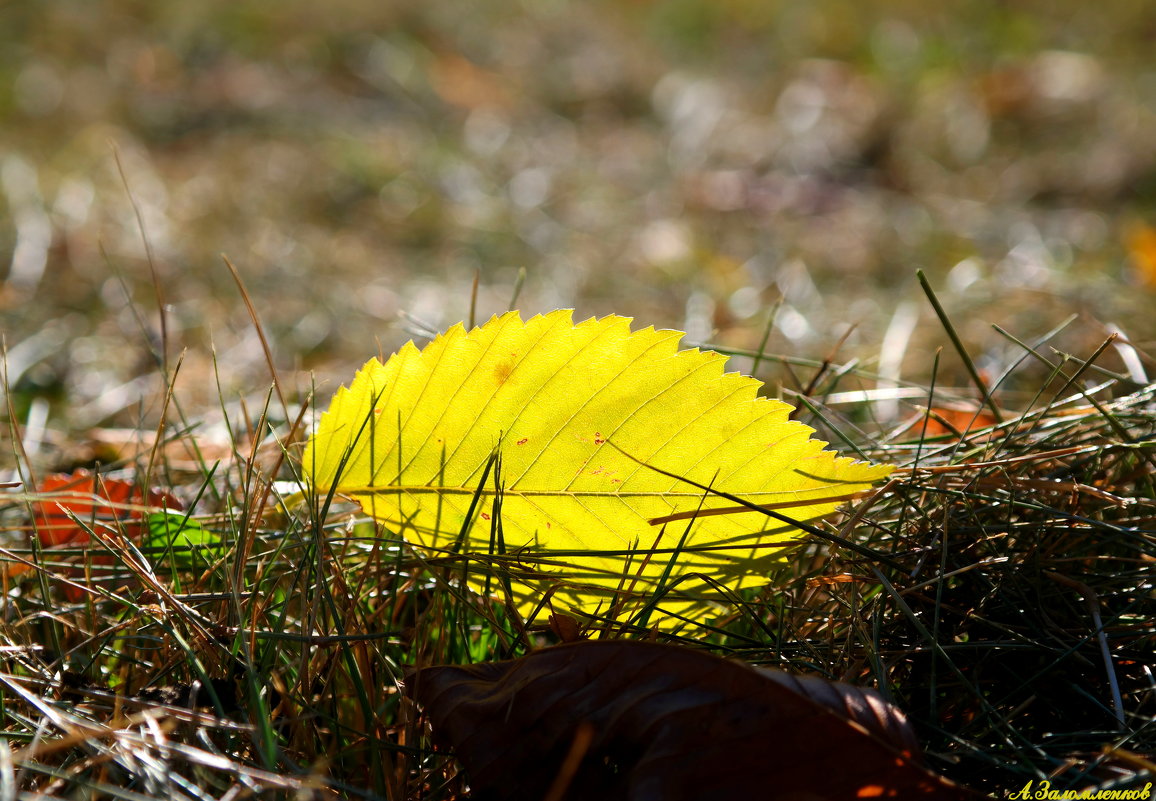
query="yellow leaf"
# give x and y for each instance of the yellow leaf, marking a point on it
(583, 417)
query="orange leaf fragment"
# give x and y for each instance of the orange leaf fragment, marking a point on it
(89, 497)
(955, 421)
(95, 500)
(1140, 239)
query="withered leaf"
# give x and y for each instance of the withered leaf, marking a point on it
(635, 721)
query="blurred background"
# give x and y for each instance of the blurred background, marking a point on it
(707, 165)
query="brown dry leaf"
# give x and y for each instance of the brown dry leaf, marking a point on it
(189, 452)
(634, 721)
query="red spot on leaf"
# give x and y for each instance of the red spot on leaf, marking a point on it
(523, 440)
(502, 372)
(598, 438)
(485, 516)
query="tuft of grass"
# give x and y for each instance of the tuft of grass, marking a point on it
(1019, 633)
(1000, 591)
